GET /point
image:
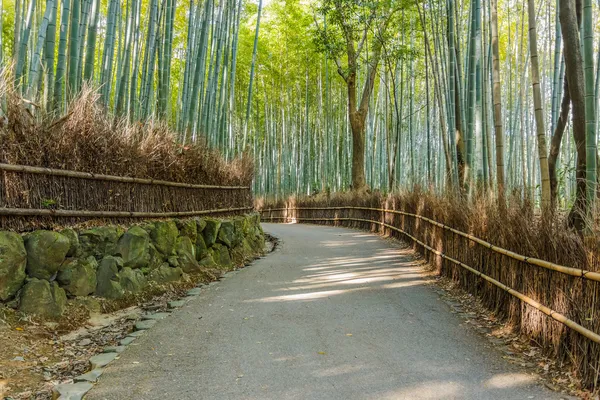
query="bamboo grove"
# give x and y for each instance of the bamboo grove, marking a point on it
(150, 60)
(466, 96)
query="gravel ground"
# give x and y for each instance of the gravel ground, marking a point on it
(331, 314)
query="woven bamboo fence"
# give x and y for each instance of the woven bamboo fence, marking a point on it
(35, 197)
(553, 304)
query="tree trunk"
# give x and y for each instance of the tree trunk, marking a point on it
(537, 104)
(557, 136)
(570, 18)
(590, 112)
(497, 100)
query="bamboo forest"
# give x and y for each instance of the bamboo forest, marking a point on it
(310, 199)
(462, 96)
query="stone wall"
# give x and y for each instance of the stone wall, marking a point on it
(40, 270)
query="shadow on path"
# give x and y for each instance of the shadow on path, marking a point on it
(332, 314)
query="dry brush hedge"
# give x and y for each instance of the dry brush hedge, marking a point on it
(88, 140)
(516, 229)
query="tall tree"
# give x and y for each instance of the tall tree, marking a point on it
(497, 99)
(538, 110)
(361, 31)
(570, 20)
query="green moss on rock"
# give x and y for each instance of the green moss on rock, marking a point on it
(226, 234)
(210, 231)
(164, 236)
(78, 276)
(108, 279)
(188, 228)
(13, 260)
(220, 253)
(99, 241)
(73, 239)
(165, 274)
(186, 255)
(134, 248)
(46, 251)
(43, 298)
(132, 280)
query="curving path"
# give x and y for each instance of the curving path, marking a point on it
(332, 314)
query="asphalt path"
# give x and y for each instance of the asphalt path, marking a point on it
(331, 314)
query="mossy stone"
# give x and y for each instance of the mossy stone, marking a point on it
(132, 280)
(99, 241)
(108, 279)
(134, 248)
(73, 239)
(43, 298)
(200, 224)
(78, 276)
(46, 251)
(13, 260)
(210, 231)
(201, 248)
(165, 274)
(220, 254)
(186, 255)
(188, 228)
(164, 236)
(226, 234)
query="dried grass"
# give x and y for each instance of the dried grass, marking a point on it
(87, 139)
(516, 228)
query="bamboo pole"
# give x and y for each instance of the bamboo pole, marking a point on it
(26, 212)
(577, 272)
(109, 178)
(526, 299)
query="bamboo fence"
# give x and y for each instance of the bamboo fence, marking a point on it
(36, 197)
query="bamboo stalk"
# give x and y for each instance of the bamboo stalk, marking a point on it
(109, 178)
(526, 299)
(112, 214)
(577, 272)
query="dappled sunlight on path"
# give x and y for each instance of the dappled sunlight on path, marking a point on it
(332, 314)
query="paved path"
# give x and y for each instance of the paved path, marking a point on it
(332, 314)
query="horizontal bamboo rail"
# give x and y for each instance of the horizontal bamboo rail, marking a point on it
(112, 214)
(526, 299)
(109, 178)
(577, 272)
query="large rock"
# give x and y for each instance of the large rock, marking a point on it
(210, 231)
(156, 258)
(242, 229)
(78, 276)
(208, 261)
(200, 224)
(132, 280)
(133, 247)
(73, 239)
(186, 255)
(99, 241)
(46, 251)
(164, 236)
(43, 298)
(226, 234)
(165, 274)
(109, 285)
(220, 253)
(188, 228)
(201, 248)
(13, 260)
